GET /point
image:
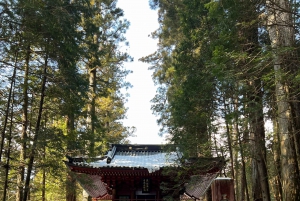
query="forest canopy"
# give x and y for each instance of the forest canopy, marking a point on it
(61, 75)
(227, 77)
(227, 74)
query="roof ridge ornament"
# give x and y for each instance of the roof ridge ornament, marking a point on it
(111, 154)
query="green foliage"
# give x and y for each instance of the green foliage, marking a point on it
(54, 41)
(215, 75)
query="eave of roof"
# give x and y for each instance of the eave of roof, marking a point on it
(111, 171)
(149, 157)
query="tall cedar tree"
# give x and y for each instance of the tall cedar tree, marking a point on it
(282, 29)
(214, 59)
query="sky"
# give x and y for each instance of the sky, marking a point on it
(143, 21)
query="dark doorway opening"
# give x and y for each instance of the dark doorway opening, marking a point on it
(145, 197)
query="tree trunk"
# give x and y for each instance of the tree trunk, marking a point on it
(37, 130)
(244, 193)
(295, 108)
(13, 78)
(244, 186)
(236, 164)
(7, 165)
(70, 187)
(256, 193)
(91, 115)
(289, 167)
(281, 33)
(70, 180)
(44, 176)
(91, 109)
(258, 133)
(20, 176)
(229, 141)
(276, 154)
(248, 39)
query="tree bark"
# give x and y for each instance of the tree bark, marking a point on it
(44, 176)
(37, 130)
(256, 193)
(295, 108)
(4, 127)
(244, 193)
(70, 180)
(276, 154)
(229, 140)
(7, 165)
(91, 115)
(20, 176)
(70, 187)
(91, 109)
(281, 33)
(258, 133)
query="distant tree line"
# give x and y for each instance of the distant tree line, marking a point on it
(228, 85)
(61, 74)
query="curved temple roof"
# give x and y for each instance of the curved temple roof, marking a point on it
(150, 157)
(151, 161)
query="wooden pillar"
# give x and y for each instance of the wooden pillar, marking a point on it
(114, 190)
(157, 197)
(158, 189)
(132, 189)
(113, 194)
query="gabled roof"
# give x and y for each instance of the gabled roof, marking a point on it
(142, 160)
(199, 184)
(150, 157)
(92, 184)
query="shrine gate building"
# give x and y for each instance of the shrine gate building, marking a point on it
(135, 172)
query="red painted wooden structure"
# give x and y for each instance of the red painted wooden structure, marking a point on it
(134, 172)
